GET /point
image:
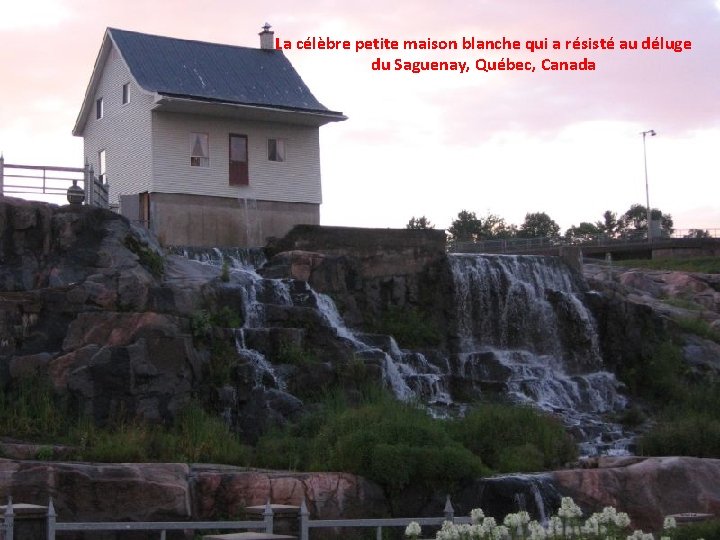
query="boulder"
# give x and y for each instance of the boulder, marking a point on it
(647, 490)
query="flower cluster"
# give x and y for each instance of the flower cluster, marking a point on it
(413, 530)
(606, 525)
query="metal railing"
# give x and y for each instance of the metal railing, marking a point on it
(378, 523)
(266, 525)
(516, 245)
(52, 181)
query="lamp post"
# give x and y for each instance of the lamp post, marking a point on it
(652, 133)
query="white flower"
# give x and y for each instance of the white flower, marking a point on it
(622, 520)
(476, 515)
(555, 526)
(413, 529)
(512, 521)
(669, 523)
(568, 508)
(489, 524)
(639, 535)
(536, 530)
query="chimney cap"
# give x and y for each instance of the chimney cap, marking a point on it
(266, 27)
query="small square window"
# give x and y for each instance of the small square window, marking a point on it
(199, 150)
(99, 108)
(125, 93)
(276, 149)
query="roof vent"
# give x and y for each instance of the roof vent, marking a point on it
(267, 37)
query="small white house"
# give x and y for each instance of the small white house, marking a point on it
(206, 144)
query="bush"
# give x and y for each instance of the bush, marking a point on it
(697, 435)
(509, 438)
(707, 530)
(660, 377)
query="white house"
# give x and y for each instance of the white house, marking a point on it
(206, 144)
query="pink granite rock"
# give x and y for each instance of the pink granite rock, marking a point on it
(647, 490)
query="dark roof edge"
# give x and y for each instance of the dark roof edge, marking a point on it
(320, 112)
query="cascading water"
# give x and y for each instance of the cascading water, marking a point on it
(409, 375)
(523, 331)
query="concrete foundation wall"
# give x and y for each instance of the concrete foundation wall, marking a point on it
(202, 221)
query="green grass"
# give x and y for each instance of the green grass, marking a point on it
(683, 303)
(705, 265)
(699, 327)
(409, 326)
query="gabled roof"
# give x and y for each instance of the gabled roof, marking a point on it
(209, 72)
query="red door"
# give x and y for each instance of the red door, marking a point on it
(238, 160)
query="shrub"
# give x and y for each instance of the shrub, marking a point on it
(510, 438)
(695, 435)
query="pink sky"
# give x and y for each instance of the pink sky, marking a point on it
(430, 143)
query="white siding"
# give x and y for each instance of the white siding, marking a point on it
(297, 179)
(123, 131)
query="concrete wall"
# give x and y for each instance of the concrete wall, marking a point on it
(205, 221)
(123, 131)
(383, 252)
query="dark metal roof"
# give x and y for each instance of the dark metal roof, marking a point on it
(215, 72)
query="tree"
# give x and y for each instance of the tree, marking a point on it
(539, 224)
(583, 232)
(419, 223)
(697, 233)
(609, 225)
(465, 228)
(493, 226)
(634, 221)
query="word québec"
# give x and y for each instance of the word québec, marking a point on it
(481, 64)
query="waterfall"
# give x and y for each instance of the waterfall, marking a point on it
(523, 330)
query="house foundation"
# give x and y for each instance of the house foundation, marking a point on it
(205, 221)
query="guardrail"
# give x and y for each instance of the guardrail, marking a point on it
(266, 525)
(52, 181)
(378, 523)
(516, 245)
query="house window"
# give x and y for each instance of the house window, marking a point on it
(102, 172)
(125, 93)
(199, 150)
(276, 149)
(99, 108)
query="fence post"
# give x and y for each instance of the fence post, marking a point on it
(449, 510)
(268, 517)
(89, 185)
(9, 520)
(2, 174)
(303, 520)
(51, 520)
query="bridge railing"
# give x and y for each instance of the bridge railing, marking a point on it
(518, 245)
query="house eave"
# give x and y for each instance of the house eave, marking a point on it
(244, 111)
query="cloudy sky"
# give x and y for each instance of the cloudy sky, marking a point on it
(432, 143)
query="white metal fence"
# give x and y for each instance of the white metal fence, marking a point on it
(266, 525)
(52, 182)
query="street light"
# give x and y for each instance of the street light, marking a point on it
(652, 133)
